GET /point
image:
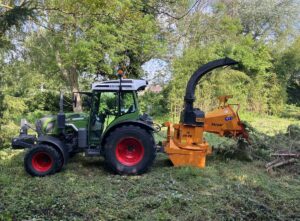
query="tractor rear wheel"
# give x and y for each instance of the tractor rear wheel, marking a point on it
(42, 160)
(130, 150)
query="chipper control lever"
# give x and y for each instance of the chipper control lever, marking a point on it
(185, 144)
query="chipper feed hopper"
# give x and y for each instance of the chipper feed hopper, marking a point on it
(185, 143)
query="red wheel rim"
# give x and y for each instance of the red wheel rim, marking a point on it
(129, 151)
(42, 161)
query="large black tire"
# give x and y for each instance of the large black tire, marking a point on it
(130, 150)
(61, 161)
(42, 160)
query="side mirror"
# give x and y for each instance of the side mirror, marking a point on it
(24, 127)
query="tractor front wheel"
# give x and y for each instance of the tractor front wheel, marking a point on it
(42, 160)
(130, 150)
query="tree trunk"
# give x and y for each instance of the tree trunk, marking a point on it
(71, 76)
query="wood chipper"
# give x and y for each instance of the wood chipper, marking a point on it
(113, 128)
(185, 144)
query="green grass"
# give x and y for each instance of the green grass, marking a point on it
(85, 190)
(269, 125)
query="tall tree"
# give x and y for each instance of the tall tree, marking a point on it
(80, 37)
(219, 29)
(12, 16)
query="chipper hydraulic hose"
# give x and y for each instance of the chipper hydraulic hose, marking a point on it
(185, 144)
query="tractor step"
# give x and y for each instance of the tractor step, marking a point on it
(92, 152)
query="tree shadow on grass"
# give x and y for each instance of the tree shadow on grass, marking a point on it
(162, 160)
(91, 162)
(86, 164)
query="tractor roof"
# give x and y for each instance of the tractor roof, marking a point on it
(127, 85)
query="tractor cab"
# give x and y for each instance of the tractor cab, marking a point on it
(113, 103)
(112, 127)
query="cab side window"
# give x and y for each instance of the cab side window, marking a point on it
(127, 103)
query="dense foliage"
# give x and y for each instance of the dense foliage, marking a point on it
(265, 72)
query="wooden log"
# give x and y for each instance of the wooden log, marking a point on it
(297, 155)
(273, 162)
(280, 163)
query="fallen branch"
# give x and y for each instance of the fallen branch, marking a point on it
(273, 162)
(297, 155)
(279, 162)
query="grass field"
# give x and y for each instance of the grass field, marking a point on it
(85, 190)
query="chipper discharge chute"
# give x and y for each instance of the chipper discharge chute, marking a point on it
(185, 144)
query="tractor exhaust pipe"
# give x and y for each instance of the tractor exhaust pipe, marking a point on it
(61, 117)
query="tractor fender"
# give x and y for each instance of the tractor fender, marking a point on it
(139, 123)
(57, 144)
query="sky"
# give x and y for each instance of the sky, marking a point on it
(155, 69)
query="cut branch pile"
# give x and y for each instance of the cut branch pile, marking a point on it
(283, 157)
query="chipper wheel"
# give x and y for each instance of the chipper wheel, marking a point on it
(130, 150)
(42, 160)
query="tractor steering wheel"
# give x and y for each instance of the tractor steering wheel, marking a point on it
(131, 109)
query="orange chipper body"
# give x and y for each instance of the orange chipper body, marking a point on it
(185, 144)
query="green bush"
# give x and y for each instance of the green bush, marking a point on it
(8, 131)
(154, 104)
(46, 101)
(254, 86)
(13, 107)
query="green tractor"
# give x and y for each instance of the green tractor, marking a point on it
(113, 128)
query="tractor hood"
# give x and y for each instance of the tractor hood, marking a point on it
(48, 124)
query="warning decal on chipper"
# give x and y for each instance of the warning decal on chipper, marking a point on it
(228, 118)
